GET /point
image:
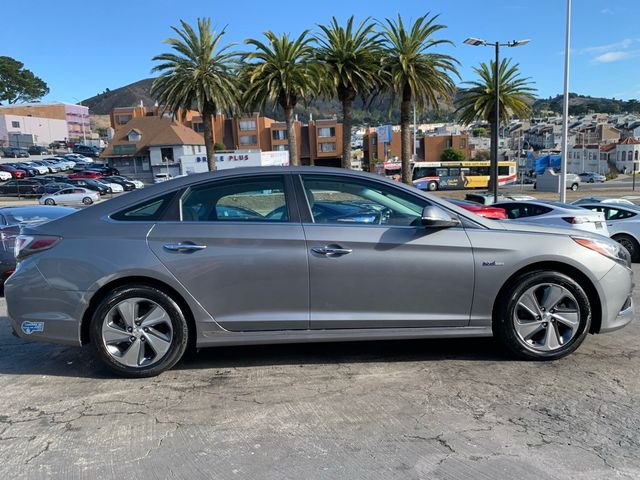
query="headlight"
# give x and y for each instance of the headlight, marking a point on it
(610, 249)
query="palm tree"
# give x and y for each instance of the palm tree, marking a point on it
(351, 66)
(281, 71)
(416, 74)
(478, 101)
(198, 74)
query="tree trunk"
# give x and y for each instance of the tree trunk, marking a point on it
(294, 159)
(405, 121)
(347, 121)
(207, 112)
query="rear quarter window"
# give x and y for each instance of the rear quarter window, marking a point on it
(150, 210)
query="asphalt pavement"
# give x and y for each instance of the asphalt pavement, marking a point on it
(436, 409)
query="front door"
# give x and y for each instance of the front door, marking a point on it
(373, 265)
(240, 251)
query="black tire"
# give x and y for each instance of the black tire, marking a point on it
(534, 186)
(504, 321)
(591, 180)
(49, 201)
(574, 186)
(432, 186)
(179, 339)
(631, 244)
(87, 201)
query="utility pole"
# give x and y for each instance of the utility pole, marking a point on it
(565, 110)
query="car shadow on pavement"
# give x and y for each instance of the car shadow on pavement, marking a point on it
(19, 357)
(428, 350)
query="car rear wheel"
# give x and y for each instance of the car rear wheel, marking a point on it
(544, 315)
(87, 201)
(138, 331)
(49, 201)
(574, 186)
(432, 186)
(630, 244)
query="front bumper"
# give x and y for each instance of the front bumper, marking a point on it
(617, 299)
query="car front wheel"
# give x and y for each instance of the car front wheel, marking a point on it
(138, 331)
(49, 201)
(574, 187)
(544, 315)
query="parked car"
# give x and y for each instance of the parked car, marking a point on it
(87, 150)
(29, 169)
(161, 177)
(52, 187)
(555, 214)
(90, 184)
(623, 222)
(41, 169)
(61, 162)
(15, 152)
(157, 270)
(136, 183)
(4, 176)
(11, 219)
(19, 187)
(113, 187)
(592, 177)
(104, 169)
(125, 184)
(572, 180)
(495, 213)
(15, 172)
(85, 174)
(76, 157)
(71, 196)
(586, 200)
(49, 166)
(38, 150)
(487, 198)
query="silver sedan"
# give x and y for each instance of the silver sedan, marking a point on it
(306, 254)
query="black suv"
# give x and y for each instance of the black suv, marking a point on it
(15, 152)
(87, 150)
(38, 150)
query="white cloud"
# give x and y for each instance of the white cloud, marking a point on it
(621, 45)
(611, 57)
(607, 11)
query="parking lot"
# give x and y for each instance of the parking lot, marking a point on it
(437, 409)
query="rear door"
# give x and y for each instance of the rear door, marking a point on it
(373, 265)
(239, 249)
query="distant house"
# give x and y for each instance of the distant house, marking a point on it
(146, 145)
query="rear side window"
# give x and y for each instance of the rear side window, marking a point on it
(148, 211)
(523, 210)
(238, 200)
(616, 214)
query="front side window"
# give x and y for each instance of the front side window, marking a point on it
(237, 200)
(344, 201)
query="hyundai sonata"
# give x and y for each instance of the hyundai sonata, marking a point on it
(276, 255)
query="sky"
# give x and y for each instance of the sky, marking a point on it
(80, 48)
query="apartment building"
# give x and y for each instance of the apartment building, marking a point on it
(319, 141)
(429, 148)
(75, 116)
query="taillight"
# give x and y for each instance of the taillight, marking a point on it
(28, 244)
(576, 220)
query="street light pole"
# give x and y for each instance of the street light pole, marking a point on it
(565, 111)
(493, 170)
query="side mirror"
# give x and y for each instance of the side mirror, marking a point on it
(435, 217)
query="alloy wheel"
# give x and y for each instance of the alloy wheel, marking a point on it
(546, 317)
(137, 332)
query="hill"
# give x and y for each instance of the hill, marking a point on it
(583, 104)
(376, 113)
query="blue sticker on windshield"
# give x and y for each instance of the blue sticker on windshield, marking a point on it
(29, 327)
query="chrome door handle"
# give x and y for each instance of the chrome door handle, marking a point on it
(331, 250)
(183, 247)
